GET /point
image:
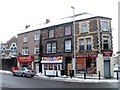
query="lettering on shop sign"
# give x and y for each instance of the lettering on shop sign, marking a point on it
(51, 58)
(107, 53)
(87, 55)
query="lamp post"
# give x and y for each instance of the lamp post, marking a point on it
(74, 59)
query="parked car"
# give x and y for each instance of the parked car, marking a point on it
(24, 72)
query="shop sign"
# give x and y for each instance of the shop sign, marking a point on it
(107, 53)
(25, 58)
(52, 58)
(87, 55)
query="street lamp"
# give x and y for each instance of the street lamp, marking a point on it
(74, 60)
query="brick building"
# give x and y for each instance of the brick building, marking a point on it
(9, 53)
(93, 46)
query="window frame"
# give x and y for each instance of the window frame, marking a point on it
(82, 30)
(68, 29)
(70, 46)
(51, 33)
(37, 37)
(88, 45)
(82, 45)
(103, 27)
(25, 39)
(25, 51)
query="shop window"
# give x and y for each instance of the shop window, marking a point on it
(87, 65)
(55, 67)
(91, 65)
(50, 67)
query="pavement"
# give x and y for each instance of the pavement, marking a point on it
(73, 79)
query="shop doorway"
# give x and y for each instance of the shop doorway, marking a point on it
(68, 65)
(107, 68)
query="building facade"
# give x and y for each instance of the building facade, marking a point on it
(9, 54)
(93, 46)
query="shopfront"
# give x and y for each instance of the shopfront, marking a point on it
(25, 61)
(86, 64)
(107, 63)
(51, 66)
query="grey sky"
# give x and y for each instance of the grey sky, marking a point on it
(15, 14)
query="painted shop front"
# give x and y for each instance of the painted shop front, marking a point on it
(86, 63)
(51, 66)
(25, 61)
(93, 63)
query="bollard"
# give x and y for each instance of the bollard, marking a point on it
(99, 75)
(84, 75)
(117, 75)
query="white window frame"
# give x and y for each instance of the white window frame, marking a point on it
(25, 51)
(25, 39)
(104, 27)
(68, 46)
(82, 29)
(37, 37)
(36, 50)
(53, 47)
(48, 47)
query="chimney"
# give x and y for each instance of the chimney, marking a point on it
(26, 26)
(47, 21)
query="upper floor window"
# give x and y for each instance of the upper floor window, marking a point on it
(84, 27)
(105, 25)
(25, 39)
(68, 45)
(54, 47)
(68, 30)
(88, 44)
(36, 50)
(37, 37)
(81, 44)
(51, 33)
(48, 47)
(25, 51)
(105, 44)
(51, 47)
(13, 48)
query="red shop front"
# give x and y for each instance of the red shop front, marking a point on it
(86, 63)
(25, 61)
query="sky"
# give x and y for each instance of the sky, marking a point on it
(15, 14)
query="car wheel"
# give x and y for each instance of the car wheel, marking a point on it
(24, 75)
(13, 74)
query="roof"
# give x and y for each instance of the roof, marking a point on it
(69, 19)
